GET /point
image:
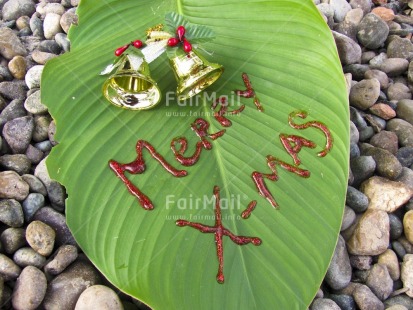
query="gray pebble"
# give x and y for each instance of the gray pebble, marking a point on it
(403, 300)
(366, 300)
(356, 200)
(398, 91)
(365, 5)
(393, 66)
(372, 31)
(402, 129)
(398, 249)
(357, 119)
(64, 256)
(396, 227)
(49, 46)
(348, 218)
(399, 48)
(406, 177)
(32, 204)
(57, 196)
(63, 41)
(12, 186)
(11, 213)
(345, 302)
(379, 281)
(35, 185)
(405, 110)
(386, 140)
(30, 289)
(18, 133)
(34, 105)
(365, 93)
(405, 156)
(363, 167)
(68, 19)
(367, 56)
(357, 71)
(5, 74)
(387, 164)
(34, 154)
(41, 237)
(340, 9)
(13, 90)
(339, 272)
(410, 72)
(52, 132)
(10, 44)
(354, 151)
(44, 146)
(58, 222)
(50, 7)
(354, 133)
(64, 290)
(323, 304)
(12, 239)
(33, 76)
(366, 133)
(13, 110)
(28, 257)
(348, 50)
(380, 76)
(8, 269)
(17, 162)
(36, 25)
(13, 9)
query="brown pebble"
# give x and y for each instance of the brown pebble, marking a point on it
(383, 110)
(17, 67)
(384, 13)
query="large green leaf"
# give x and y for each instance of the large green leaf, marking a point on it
(290, 57)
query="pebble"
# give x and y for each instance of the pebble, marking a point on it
(10, 44)
(387, 164)
(29, 257)
(58, 222)
(365, 5)
(41, 128)
(405, 156)
(361, 262)
(32, 204)
(406, 177)
(356, 70)
(34, 105)
(406, 274)
(45, 8)
(408, 225)
(402, 300)
(63, 41)
(8, 269)
(23, 22)
(366, 300)
(365, 93)
(345, 302)
(372, 31)
(12, 239)
(392, 66)
(30, 289)
(13, 90)
(49, 46)
(339, 272)
(389, 259)
(402, 129)
(18, 133)
(318, 304)
(51, 25)
(379, 75)
(354, 133)
(405, 110)
(383, 111)
(12, 186)
(399, 48)
(348, 50)
(64, 290)
(379, 281)
(68, 19)
(13, 9)
(13, 110)
(33, 76)
(348, 218)
(35, 185)
(354, 151)
(36, 25)
(398, 91)
(44, 146)
(363, 167)
(386, 195)
(396, 227)
(103, 298)
(356, 200)
(42, 57)
(41, 237)
(17, 67)
(11, 213)
(16, 162)
(384, 13)
(397, 307)
(386, 140)
(371, 235)
(64, 256)
(398, 249)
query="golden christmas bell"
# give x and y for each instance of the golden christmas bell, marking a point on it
(194, 73)
(131, 86)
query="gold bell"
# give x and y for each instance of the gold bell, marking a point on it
(131, 86)
(194, 73)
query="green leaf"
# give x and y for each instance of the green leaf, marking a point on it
(194, 33)
(290, 57)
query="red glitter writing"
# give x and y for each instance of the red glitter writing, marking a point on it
(223, 110)
(249, 92)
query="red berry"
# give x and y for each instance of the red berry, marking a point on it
(173, 42)
(187, 46)
(121, 49)
(180, 31)
(137, 43)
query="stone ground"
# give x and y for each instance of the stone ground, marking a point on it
(372, 268)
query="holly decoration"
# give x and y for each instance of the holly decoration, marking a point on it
(180, 32)
(137, 44)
